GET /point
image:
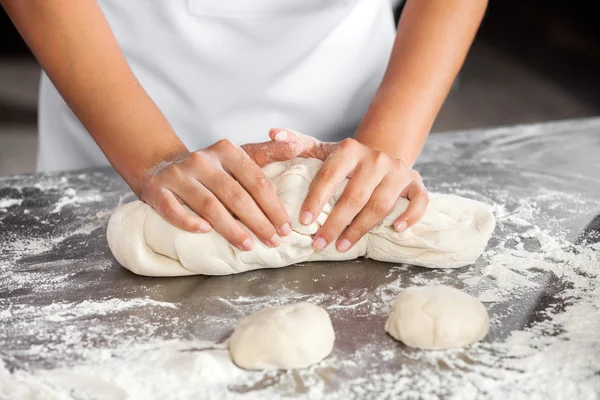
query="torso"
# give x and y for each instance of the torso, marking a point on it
(233, 69)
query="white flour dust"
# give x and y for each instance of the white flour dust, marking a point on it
(71, 198)
(5, 203)
(542, 292)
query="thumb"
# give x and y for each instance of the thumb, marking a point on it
(270, 152)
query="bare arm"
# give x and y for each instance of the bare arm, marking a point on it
(432, 41)
(76, 47)
(431, 44)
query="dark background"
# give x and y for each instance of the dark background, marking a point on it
(532, 61)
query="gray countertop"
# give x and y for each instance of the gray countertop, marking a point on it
(77, 325)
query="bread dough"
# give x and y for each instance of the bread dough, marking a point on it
(453, 233)
(437, 317)
(286, 337)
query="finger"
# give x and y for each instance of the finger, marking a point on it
(356, 195)
(216, 177)
(381, 203)
(231, 193)
(418, 198)
(167, 204)
(311, 147)
(204, 203)
(263, 213)
(269, 152)
(333, 171)
(229, 190)
(254, 181)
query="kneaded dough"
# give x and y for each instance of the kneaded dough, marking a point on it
(453, 233)
(437, 317)
(286, 337)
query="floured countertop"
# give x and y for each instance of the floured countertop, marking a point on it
(77, 325)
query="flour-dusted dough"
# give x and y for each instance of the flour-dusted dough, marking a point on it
(437, 317)
(453, 233)
(286, 337)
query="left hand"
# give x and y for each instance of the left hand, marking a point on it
(377, 180)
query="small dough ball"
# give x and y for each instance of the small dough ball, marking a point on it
(437, 317)
(286, 337)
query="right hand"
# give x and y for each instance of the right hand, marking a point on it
(220, 183)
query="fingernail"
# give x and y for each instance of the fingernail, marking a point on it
(275, 240)
(204, 227)
(248, 244)
(285, 229)
(401, 226)
(319, 244)
(306, 217)
(344, 245)
(281, 136)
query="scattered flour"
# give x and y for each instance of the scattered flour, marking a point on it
(5, 203)
(542, 292)
(70, 198)
(556, 357)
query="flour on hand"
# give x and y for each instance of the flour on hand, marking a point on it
(286, 337)
(437, 317)
(453, 233)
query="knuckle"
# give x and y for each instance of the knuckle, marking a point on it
(381, 206)
(357, 199)
(176, 172)
(401, 164)
(326, 175)
(224, 145)
(209, 206)
(247, 162)
(237, 198)
(348, 144)
(332, 229)
(380, 158)
(196, 159)
(260, 183)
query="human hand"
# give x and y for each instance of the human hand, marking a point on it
(219, 183)
(376, 182)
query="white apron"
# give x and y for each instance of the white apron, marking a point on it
(235, 68)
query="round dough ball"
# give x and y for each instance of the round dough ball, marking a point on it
(437, 317)
(286, 337)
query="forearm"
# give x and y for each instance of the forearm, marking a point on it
(75, 46)
(431, 44)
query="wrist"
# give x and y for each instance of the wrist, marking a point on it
(400, 143)
(397, 127)
(137, 170)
